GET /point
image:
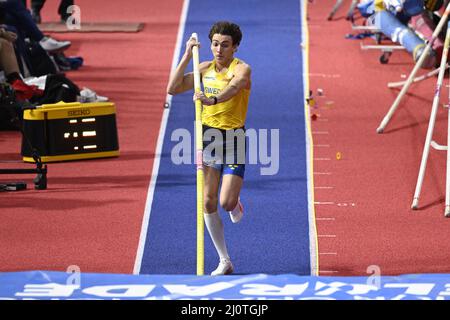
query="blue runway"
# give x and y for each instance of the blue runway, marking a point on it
(274, 235)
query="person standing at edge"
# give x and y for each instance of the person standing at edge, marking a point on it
(226, 81)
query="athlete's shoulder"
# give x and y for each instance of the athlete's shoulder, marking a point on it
(242, 67)
(241, 63)
(203, 66)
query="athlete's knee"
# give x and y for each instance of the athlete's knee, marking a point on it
(210, 203)
(228, 203)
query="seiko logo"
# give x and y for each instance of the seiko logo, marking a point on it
(81, 112)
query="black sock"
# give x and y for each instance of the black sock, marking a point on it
(12, 77)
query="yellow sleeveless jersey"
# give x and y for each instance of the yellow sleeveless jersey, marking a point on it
(229, 114)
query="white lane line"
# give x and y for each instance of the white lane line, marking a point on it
(324, 75)
(327, 188)
(327, 236)
(328, 271)
(322, 159)
(323, 173)
(320, 132)
(329, 253)
(314, 259)
(159, 145)
(322, 145)
(323, 202)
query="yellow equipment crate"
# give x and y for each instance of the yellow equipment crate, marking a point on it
(71, 131)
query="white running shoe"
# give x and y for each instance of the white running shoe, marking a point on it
(52, 45)
(88, 95)
(235, 218)
(225, 267)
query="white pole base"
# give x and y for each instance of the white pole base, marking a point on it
(447, 211)
(415, 204)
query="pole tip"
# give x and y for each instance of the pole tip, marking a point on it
(194, 35)
(415, 204)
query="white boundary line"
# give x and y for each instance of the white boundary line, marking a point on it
(159, 145)
(313, 246)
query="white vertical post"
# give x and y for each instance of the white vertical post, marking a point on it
(426, 149)
(351, 9)
(447, 180)
(335, 8)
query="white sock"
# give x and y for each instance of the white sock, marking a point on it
(236, 209)
(215, 228)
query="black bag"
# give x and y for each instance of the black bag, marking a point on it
(41, 62)
(5, 118)
(59, 88)
(11, 113)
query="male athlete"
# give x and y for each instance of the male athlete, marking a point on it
(226, 82)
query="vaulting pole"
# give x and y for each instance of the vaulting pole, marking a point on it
(199, 162)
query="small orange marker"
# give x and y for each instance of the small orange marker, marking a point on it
(338, 156)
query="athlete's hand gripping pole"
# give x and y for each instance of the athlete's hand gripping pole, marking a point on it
(199, 162)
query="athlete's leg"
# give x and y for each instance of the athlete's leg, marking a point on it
(233, 173)
(230, 190)
(211, 188)
(229, 196)
(213, 222)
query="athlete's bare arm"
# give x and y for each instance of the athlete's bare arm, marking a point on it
(179, 81)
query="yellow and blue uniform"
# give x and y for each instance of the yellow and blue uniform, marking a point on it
(227, 118)
(229, 114)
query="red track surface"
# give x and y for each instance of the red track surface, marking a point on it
(91, 214)
(363, 203)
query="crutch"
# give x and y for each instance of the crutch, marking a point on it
(416, 68)
(336, 7)
(199, 162)
(428, 141)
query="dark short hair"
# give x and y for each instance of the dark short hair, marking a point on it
(226, 28)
